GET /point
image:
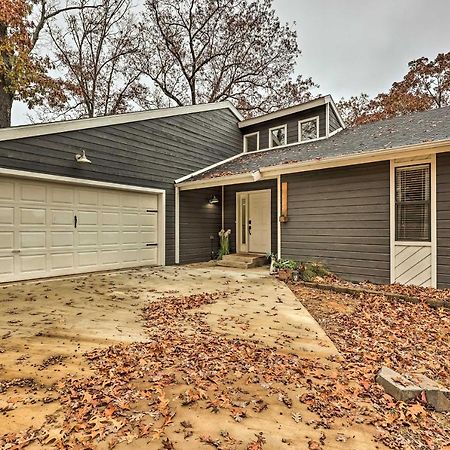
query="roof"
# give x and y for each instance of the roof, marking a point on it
(40, 129)
(293, 110)
(399, 132)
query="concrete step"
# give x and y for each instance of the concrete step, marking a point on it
(243, 260)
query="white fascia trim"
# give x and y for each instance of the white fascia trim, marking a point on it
(25, 131)
(79, 181)
(325, 163)
(205, 169)
(270, 136)
(285, 112)
(244, 143)
(336, 112)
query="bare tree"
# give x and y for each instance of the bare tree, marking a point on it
(93, 50)
(23, 72)
(198, 51)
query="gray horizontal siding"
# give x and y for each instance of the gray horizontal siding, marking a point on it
(340, 217)
(151, 153)
(199, 221)
(443, 219)
(230, 208)
(292, 125)
(334, 122)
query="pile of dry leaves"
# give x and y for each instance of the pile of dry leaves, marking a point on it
(372, 331)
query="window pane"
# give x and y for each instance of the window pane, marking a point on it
(308, 130)
(243, 222)
(278, 137)
(413, 206)
(251, 143)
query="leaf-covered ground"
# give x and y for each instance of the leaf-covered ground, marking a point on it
(372, 331)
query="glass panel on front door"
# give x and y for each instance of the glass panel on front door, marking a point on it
(243, 221)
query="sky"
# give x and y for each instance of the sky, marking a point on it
(354, 46)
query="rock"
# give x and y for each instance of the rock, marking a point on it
(397, 385)
(437, 395)
(404, 389)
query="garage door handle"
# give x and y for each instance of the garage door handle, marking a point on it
(15, 251)
(151, 245)
(75, 221)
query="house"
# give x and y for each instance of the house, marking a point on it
(371, 202)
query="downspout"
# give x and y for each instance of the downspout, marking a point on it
(223, 207)
(177, 225)
(278, 216)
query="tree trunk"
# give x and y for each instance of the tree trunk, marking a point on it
(6, 102)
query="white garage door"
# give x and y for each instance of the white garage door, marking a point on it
(49, 229)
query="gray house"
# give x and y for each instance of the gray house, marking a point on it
(372, 202)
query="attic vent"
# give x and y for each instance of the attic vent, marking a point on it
(413, 203)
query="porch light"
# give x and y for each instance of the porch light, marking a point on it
(82, 158)
(256, 175)
(213, 200)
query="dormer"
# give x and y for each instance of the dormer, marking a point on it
(313, 120)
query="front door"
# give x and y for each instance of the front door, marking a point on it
(254, 221)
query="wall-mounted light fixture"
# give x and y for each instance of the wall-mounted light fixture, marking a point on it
(213, 200)
(82, 158)
(256, 175)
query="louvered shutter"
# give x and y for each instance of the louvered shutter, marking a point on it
(412, 203)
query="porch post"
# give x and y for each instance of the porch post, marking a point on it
(223, 207)
(278, 216)
(177, 225)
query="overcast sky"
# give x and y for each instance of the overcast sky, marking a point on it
(353, 46)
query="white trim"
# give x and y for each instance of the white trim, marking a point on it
(80, 181)
(428, 159)
(336, 112)
(270, 136)
(104, 185)
(336, 131)
(223, 207)
(177, 225)
(271, 172)
(278, 216)
(244, 142)
(327, 121)
(41, 129)
(310, 119)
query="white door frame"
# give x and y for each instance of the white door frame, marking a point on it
(39, 176)
(239, 248)
(429, 159)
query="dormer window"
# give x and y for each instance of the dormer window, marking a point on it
(251, 142)
(278, 136)
(308, 129)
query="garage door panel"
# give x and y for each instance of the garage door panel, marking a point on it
(61, 261)
(33, 263)
(32, 216)
(87, 259)
(62, 239)
(110, 238)
(6, 265)
(6, 215)
(86, 238)
(62, 217)
(149, 255)
(87, 218)
(87, 197)
(111, 218)
(32, 239)
(35, 193)
(7, 191)
(6, 240)
(64, 196)
(54, 229)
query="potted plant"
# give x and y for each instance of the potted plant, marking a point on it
(224, 248)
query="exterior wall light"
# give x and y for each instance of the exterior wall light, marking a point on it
(213, 200)
(256, 175)
(82, 158)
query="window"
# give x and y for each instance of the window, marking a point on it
(251, 142)
(277, 136)
(413, 203)
(308, 129)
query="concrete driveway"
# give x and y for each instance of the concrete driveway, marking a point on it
(46, 326)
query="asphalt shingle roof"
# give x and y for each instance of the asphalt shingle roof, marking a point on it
(402, 131)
